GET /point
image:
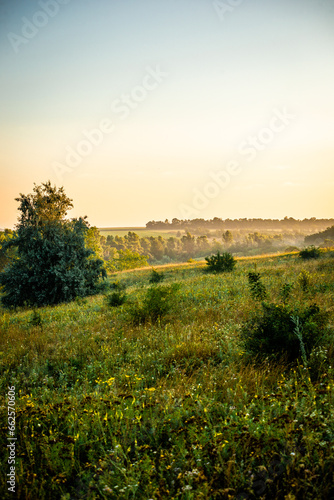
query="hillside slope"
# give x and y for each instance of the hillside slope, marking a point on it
(120, 403)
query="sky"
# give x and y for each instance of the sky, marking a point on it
(161, 109)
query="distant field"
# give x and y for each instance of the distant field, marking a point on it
(141, 231)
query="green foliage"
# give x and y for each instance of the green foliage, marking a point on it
(127, 259)
(158, 301)
(319, 362)
(156, 277)
(53, 263)
(116, 298)
(299, 333)
(92, 240)
(117, 285)
(227, 237)
(36, 319)
(322, 235)
(7, 253)
(285, 291)
(304, 280)
(257, 288)
(310, 253)
(221, 262)
(272, 331)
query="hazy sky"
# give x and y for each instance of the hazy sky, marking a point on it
(155, 109)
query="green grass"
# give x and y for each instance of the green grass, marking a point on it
(173, 409)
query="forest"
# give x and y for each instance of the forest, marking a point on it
(243, 238)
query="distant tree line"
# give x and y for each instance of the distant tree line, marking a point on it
(288, 223)
(154, 249)
(126, 252)
(132, 251)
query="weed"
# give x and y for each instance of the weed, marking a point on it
(318, 362)
(304, 280)
(285, 291)
(298, 331)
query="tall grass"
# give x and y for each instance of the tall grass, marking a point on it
(171, 408)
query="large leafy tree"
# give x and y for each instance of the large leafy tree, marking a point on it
(53, 263)
(5, 254)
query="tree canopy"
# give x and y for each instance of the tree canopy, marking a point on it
(53, 263)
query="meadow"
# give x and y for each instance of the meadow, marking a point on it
(113, 404)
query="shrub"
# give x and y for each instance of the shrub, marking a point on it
(220, 262)
(309, 253)
(158, 301)
(116, 298)
(36, 319)
(257, 288)
(272, 332)
(156, 277)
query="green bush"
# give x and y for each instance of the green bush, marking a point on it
(272, 332)
(309, 253)
(257, 288)
(116, 298)
(220, 262)
(158, 301)
(156, 277)
(36, 319)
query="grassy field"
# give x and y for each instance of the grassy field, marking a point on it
(113, 404)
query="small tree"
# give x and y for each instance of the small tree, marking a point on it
(156, 277)
(221, 262)
(227, 237)
(53, 263)
(127, 259)
(257, 288)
